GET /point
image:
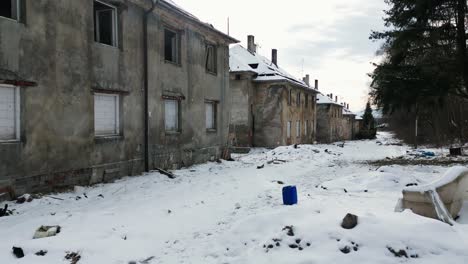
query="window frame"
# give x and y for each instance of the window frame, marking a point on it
(298, 99)
(177, 115)
(306, 100)
(115, 24)
(18, 12)
(17, 113)
(306, 128)
(214, 58)
(214, 106)
(288, 129)
(178, 46)
(290, 97)
(118, 123)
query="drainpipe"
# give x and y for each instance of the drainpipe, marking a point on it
(145, 77)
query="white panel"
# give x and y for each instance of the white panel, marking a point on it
(210, 116)
(171, 115)
(298, 128)
(289, 129)
(306, 126)
(106, 114)
(9, 113)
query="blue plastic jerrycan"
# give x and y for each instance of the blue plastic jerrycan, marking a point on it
(289, 195)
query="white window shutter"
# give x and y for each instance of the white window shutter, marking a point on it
(106, 114)
(210, 116)
(9, 113)
(171, 115)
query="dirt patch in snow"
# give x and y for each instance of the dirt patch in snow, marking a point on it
(445, 162)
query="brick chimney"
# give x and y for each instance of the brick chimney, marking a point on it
(251, 44)
(336, 99)
(331, 96)
(316, 84)
(274, 57)
(306, 79)
(347, 106)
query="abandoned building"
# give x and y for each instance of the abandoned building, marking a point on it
(94, 90)
(335, 122)
(270, 107)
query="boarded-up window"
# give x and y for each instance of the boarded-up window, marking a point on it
(9, 113)
(171, 46)
(210, 113)
(298, 128)
(105, 23)
(210, 62)
(106, 114)
(10, 9)
(306, 127)
(288, 132)
(171, 120)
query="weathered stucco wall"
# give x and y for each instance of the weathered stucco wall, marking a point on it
(330, 123)
(270, 113)
(54, 46)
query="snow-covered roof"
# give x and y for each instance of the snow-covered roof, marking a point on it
(346, 111)
(359, 118)
(242, 60)
(171, 4)
(323, 99)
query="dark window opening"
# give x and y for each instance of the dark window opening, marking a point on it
(105, 24)
(210, 62)
(254, 65)
(171, 46)
(9, 9)
(238, 77)
(306, 100)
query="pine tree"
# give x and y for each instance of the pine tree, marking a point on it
(425, 54)
(368, 129)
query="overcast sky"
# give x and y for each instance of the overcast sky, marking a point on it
(328, 39)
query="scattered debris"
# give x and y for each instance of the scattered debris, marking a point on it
(41, 253)
(24, 198)
(296, 146)
(341, 145)
(18, 252)
(411, 184)
(46, 231)
(167, 173)
(74, 257)
(102, 196)
(346, 191)
(276, 161)
(280, 182)
(56, 198)
(289, 230)
(218, 161)
(399, 254)
(316, 151)
(146, 261)
(456, 152)
(238, 206)
(261, 167)
(345, 250)
(169, 211)
(5, 211)
(350, 221)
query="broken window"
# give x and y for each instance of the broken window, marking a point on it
(211, 59)
(9, 113)
(171, 46)
(210, 113)
(105, 23)
(106, 114)
(288, 132)
(298, 128)
(171, 120)
(10, 9)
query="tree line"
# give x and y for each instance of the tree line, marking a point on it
(421, 84)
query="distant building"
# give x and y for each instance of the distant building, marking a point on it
(329, 119)
(270, 107)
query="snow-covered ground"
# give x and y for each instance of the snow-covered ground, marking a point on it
(232, 212)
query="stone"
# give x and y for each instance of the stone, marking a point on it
(18, 252)
(350, 221)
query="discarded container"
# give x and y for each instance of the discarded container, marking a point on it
(289, 195)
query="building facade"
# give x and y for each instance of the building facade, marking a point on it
(74, 78)
(270, 108)
(329, 119)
